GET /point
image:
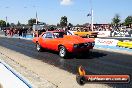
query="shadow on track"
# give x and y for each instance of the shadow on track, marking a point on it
(91, 55)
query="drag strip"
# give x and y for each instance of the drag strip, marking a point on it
(97, 62)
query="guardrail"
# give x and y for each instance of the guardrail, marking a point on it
(109, 42)
(113, 42)
(11, 76)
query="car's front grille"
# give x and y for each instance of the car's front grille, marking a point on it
(84, 45)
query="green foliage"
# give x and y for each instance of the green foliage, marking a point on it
(63, 21)
(31, 22)
(18, 24)
(70, 25)
(116, 20)
(58, 25)
(12, 25)
(7, 25)
(2, 23)
(128, 21)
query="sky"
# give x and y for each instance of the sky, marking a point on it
(50, 11)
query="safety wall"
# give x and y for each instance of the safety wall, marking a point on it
(109, 42)
(126, 44)
(9, 78)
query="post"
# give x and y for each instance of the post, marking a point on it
(36, 18)
(92, 19)
(6, 20)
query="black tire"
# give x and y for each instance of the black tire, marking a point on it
(88, 36)
(38, 47)
(62, 52)
(81, 80)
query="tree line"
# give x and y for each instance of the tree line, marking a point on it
(116, 21)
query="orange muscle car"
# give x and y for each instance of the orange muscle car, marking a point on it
(64, 44)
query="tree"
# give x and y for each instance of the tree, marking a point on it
(58, 25)
(70, 25)
(18, 24)
(128, 21)
(2, 23)
(31, 21)
(116, 20)
(63, 21)
(78, 25)
(86, 24)
(12, 24)
(7, 25)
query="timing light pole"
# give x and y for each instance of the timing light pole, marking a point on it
(36, 15)
(6, 20)
(91, 19)
(36, 18)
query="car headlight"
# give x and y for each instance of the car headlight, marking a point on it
(75, 45)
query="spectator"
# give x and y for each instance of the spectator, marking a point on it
(20, 32)
(11, 31)
(68, 31)
(24, 32)
(5, 32)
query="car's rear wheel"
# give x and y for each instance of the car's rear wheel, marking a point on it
(62, 52)
(38, 47)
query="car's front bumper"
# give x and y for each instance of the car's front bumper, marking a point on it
(85, 49)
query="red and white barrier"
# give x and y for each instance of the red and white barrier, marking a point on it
(109, 42)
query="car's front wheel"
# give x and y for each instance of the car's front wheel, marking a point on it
(38, 47)
(62, 52)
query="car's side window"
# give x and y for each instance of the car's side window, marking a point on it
(49, 35)
(44, 35)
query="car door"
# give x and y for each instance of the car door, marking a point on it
(52, 42)
(48, 40)
(56, 41)
(42, 40)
